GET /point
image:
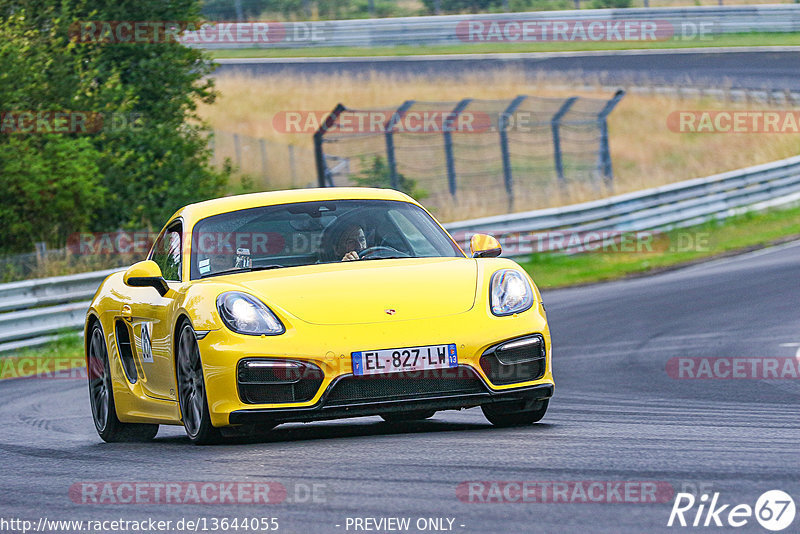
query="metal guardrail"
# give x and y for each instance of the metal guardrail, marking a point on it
(684, 23)
(676, 205)
(33, 311)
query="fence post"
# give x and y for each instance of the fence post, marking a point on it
(448, 143)
(388, 133)
(263, 146)
(292, 166)
(237, 148)
(502, 127)
(604, 159)
(323, 178)
(555, 126)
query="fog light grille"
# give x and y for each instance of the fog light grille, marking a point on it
(274, 381)
(518, 360)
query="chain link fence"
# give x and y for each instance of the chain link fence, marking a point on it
(267, 164)
(489, 156)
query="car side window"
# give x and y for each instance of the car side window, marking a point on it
(167, 253)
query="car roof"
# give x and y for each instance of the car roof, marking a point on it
(200, 210)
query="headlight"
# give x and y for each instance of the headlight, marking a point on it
(245, 314)
(511, 292)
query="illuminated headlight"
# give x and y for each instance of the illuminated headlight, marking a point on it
(511, 292)
(245, 314)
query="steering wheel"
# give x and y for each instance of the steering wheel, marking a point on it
(374, 251)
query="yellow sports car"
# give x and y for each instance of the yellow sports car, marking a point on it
(305, 305)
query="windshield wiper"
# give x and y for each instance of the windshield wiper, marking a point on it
(243, 270)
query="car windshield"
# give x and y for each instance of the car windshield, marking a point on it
(306, 233)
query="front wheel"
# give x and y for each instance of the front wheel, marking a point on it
(505, 415)
(192, 390)
(101, 397)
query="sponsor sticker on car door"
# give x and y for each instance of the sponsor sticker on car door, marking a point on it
(147, 344)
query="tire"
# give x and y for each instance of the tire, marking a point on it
(415, 415)
(101, 397)
(192, 389)
(506, 415)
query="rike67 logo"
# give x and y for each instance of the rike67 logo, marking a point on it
(774, 510)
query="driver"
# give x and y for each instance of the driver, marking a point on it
(351, 241)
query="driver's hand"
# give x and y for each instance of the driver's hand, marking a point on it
(352, 255)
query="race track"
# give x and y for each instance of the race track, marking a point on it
(616, 416)
(731, 68)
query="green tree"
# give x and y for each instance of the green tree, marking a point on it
(149, 167)
(51, 185)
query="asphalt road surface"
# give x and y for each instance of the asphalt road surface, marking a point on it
(616, 416)
(733, 69)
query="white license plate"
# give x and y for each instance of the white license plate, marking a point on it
(373, 362)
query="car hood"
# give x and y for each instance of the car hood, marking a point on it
(370, 291)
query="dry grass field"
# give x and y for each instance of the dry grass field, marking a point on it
(645, 152)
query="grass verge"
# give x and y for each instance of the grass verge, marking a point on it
(669, 250)
(62, 358)
(736, 39)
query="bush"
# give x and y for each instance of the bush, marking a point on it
(376, 173)
(602, 4)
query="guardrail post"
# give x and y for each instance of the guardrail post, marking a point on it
(502, 127)
(323, 177)
(604, 159)
(555, 126)
(447, 125)
(388, 133)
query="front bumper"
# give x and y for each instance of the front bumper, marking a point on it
(321, 411)
(328, 347)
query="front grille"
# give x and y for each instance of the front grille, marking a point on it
(514, 361)
(401, 386)
(259, 385)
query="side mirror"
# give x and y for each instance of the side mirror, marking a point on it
(146, 274)
(484, 246)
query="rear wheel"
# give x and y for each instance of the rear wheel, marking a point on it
(192, 390)
(101, 397)
(511, 414)
(414, 415)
